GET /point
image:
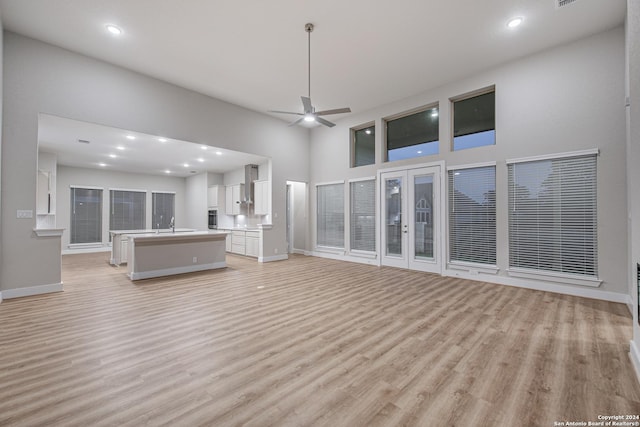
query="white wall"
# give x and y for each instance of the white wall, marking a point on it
(633, 160)
(299, 216)
(41, 78)
(1, 116)
(196, 198)
(108, 180)
(565, 99)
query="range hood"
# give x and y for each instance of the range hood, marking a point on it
(250, 175)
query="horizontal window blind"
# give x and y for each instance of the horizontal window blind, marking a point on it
(330, 215)
(553, 215)
(86, 215)
(163, 209)
(127, 210)
(472, 215)
(363, 216)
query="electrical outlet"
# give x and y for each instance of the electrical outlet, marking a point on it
(195, 259)
(24, 214)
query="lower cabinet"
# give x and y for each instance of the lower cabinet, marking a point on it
(252, 243)
(243, 242)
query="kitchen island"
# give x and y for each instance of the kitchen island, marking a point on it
(164, 254)
(120, 243)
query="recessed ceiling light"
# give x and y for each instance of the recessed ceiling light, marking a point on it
(219, 153)
(186, 165)
(120, 147)
(162, 139)
(113, 29)
(200, 159)
(514, 22)
(113, 156)
(167, 171)
(102, 164)
(131, 137)
(204, 147)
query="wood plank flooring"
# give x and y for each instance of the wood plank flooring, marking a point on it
(308, 341)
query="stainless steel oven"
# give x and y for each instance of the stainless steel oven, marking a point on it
(213, 219)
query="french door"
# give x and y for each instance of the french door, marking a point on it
(410, 214)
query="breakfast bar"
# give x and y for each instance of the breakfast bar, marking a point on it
(164, 254)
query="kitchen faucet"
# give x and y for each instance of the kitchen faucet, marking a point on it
(172, 224)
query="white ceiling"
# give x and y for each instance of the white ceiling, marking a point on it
(109, 149)
(254, 52)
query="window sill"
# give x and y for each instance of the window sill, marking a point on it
(473, 268)
(363, 254)
(330, 250)
(85, 245)
(571, 279)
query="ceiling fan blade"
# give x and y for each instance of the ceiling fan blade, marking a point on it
(285, 112)
(325, 122)
(295, 122)
(334, 111)
(306, 102)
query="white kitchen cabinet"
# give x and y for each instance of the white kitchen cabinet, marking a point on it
(228, 246)
(233, 199)
(261, 198)
(252, 243)
(124, 246)
(238, 242)
(216, 196)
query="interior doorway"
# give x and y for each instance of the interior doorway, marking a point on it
(296, 217)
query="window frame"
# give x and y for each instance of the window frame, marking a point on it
(548, 275)
(462, 97)
(467, 265)
(153, 206)
(126, 190)
(417, 110)
(352, 138)
(324, 247)
(362, 252)
(72, 189)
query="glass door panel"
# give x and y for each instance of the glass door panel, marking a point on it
(393, 216)
(423, 216)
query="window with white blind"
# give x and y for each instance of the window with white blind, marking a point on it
(86, 215)
(553, 215)
(163, 209)
(472, 215)
(363, 215)
(127, 210)
(330, 215)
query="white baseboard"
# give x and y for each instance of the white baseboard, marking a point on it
(585, 292)
(176, 270)
(630, 304)
(348, 258)
(300, 252)
(86, 250)
(634, 355)
(31, 290)
(281, 257)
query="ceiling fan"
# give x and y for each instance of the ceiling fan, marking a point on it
(310, 114)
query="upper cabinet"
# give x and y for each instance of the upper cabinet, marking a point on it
(261, 198)
(233, 199)
(216, 196)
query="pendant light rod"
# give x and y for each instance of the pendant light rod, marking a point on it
(309, 28)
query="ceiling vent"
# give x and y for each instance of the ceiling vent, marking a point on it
(83, 141)
(563, 3)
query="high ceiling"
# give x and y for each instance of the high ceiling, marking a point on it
(254, 53)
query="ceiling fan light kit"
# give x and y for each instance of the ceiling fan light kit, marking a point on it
(310, 114)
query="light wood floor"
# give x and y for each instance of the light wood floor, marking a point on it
(308, 341)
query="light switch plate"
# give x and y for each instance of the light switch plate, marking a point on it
(21, 213)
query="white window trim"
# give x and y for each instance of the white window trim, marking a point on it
(368, 178)
(471, 166)
(322, 184)
(86, 187)
(128, 190)
(472, 266)
(162, 192)
(581, 153)
(550, 276)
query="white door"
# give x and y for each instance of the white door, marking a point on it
(411, 219)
